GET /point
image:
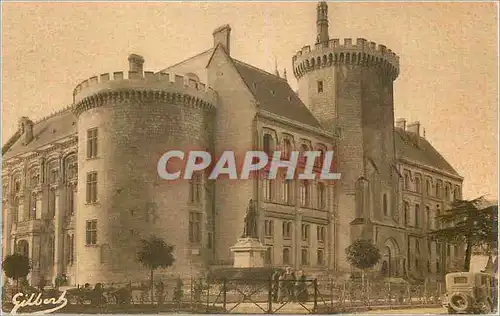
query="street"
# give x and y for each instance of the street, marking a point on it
(438, 310)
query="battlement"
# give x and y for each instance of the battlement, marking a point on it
(348, 51)
(133, 80)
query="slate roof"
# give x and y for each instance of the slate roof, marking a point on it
(284, 102)
(46, 131)
(424, 152)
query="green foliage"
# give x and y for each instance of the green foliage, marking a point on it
(16, 266)
(155, 253)
(363, 254)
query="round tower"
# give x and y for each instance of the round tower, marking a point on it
(126, 122)
(348, 86)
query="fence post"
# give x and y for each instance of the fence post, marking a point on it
(224, 296)
(270, 297)
(208, 294)
(315, 282)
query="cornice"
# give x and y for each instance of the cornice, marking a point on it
(122, 96)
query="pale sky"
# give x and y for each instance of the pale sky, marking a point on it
(448, 58)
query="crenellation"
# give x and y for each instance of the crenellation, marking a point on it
(373, 46)
(348, 42)
(382, 48)
(149, 75)
(104, 77)
(118, 75)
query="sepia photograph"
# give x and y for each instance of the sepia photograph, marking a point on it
(252, 157)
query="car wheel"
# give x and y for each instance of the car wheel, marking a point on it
(460, 302)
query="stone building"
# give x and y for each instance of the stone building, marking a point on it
(80, 187)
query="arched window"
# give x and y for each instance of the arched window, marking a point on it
(268, 144)
(320, 159)
(286, 255)
(321, 196)
(304, 193)
(33, 210)
(438, 189)
(303, 150)
(417, 215)
(287, 230)
(406, 212)
(16, 180)
(34, 177)
(428, 187)
(304, 257)
(195, 193)
(456, 193)
(53, 172)
(71, 168)
(384, 204)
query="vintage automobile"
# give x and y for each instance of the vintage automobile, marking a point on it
(470, 293)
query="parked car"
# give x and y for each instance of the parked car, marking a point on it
(470, 293)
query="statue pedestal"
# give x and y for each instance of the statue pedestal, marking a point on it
(248, 253)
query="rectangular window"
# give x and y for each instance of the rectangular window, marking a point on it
(304, 257)
(320, 257)
(268, 228)
(92, 187)
(210, 240)
(286, 255)
(194, 227)
(320, 233)
(92, 143)
(305, 232)
(52, 203)
(287, 230)
(320, 86)
(268, 259)
(91, 232)
(267, 185)
(71, 200)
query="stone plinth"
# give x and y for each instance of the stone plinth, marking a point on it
(248, 253)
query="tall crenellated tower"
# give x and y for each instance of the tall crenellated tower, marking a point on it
(322, 23)
(348, 86)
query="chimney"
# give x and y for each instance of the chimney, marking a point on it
(26, 127)
(222, 36)
(401, 123)
(414, 128)
(136, 63)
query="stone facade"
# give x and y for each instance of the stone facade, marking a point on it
(81, 188)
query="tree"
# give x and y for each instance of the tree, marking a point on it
(470, 222)
(155, 253)
(16, 267)
(363, 254)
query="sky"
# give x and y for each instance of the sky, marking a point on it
(448, 58)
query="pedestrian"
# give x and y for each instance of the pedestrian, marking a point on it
(276, 284)
(282, 289)
(290, 284)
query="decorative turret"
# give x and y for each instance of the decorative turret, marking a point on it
(222, 35)
(322, 36)
(136, 63)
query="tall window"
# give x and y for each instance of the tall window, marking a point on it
(320, 159)
(267, 186)
(52, 247)
(429, 217)
(427, 187)
(447, 192)
(268, 228)
(34, 177)
(71, 168)
(33, 199)
(287, 148)
(417, 185)
(320, 257)
(417, 215)
(92, 187)
(384, 204)
(320, 233)
(194, 227)
(286, 255)
(17, 184)
(320, 86)
(70, 249)
(305, 232)
(321, 196)
(407, 182)
(92, 143)
(406, 212)
(268, 144)
(287, 230)
(268, 259)
(71, 195)
(52, 202)
(53, 171)
(91, 232)
(15, 216)
(303, 150)
(304, 193)
(438, 189)
(456, 193)
(304, 256)
(287, 191)
(195, 186)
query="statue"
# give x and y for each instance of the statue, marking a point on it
(250, 230)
